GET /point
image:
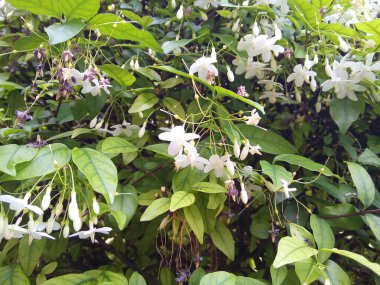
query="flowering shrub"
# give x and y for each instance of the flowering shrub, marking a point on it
(200, 142)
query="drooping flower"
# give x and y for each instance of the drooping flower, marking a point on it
(248, 148)
(300, 75)
(254, 119)
(361, 71)
(286, 188)
(217, 164)
(177, 136)
(243, 193)
(125, 129)
(90, 233)
(205, 68)
(191, 157)
(17, 204)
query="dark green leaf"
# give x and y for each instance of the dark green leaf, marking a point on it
(157, 208)
(59, 33)
(304, 162)
(30, 254)
(222, 238)
(363, 183)
(194, 219)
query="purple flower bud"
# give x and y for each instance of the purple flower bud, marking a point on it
(39, 53)
(22, 117)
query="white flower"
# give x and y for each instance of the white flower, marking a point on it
(343, 45)
(243, 194)
(180, 13)
(217, 164)
(73, 76)
(35, 231)
(46, 199)
(255, 68)
(91, 232)
(254, 119)
(241, 65)
(286, 188)
(365, 71)
(272, 95)
(17, 204)
(125, 129)
(191, 157)
(248, 148)
(177, 137)
(205, 68)
(89, 88)
(230, 74)
(300, 75)
(205, 4)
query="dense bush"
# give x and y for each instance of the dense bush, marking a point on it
(189, 142)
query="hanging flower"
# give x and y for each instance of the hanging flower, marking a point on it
(90, 233)
(286, 188)
(205, 68)
(17, 204)
(177, 136)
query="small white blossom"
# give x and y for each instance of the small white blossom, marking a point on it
(300, 75)
(286, 188)
(90, 233)
(254, 119)
(205, 68)
(217, 164)
(177, 136)
(191, 157)
(17, 204)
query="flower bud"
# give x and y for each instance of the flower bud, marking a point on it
(99, 125)
(236, 149)
(180, 12)
(230, 74)
(142, 130)
(298, 95)
(244, 152)
(93, 122)
(235, 26)
(50, 223)
(173, 3)
(318, 107)
(46, 199)
(313, 84)
(343, 45)
(255, 29)
(213, 54)
(243, 194)
(95, 206)
(177, 51)
(204, 16)
(77, 224)
(66, 230)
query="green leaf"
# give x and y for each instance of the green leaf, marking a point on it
(113, 25)
(209, 187)
(124, 206)
(181, 199)
(344, 113)
(30, 43)
(38, 7)
(48, 159)
(373, 222)
(49, 268)
(160, 148)
(291, 249)
(136, 279)
(368, 157)
(99, 170)
(350, 223)
(375, 267)
(218, 278)
(308, 270)
(117, 145)
(336, 274)
(321, 3)
(157, 208)
(13, 154)
(269, 141)
(72, 279)
(143, 102)
(306, 13)
(174, 106)
(13, 276)
(122, 76)
(323, 236)
(242, 280)
(80, 9)
(304, 162)
(370, 27)
(222, 238)
(169, 46)
(276, 173)
(194, 219)
(302, 234)
(59, 33)
(363, 183)
(278, 274)
(108, 277)
(196, 276)
(30, 254)
(186, 178)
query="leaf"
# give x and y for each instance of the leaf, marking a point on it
(269, 141)
(157, 208)
(304, 162)
(321, 3)
(222, 238)
(308, 270)
(242, 280)
(278, 274)
(186, 178)
(344, 113)
(107, 277)
(302, 234)
(276, 173)
(122, 76)
(117, 145)
(169, 46)
(323, 236)
(368, 157)
(196, 276)
(373, 222)
(30, 254)
(209, 187)
(136, 279)
(357, 257)
(80, 9)
(353, 222)
(218, 278)
(59, 33)
(12, 276)
(72, 279)
(363, 183)
(48, 159)
(13, 154)
(38, 7)
(174, 106)
(124, 206)
(291, 249)
(181, 199)
(30, 43)
(143, 102)
(336, 274)
(194, 219)
(99, 170)
(160, 148)
(370, 27)
(113, 25)
(306, 13)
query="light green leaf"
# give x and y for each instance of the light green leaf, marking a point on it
(143, 102)
(49, 268)
(278, 274)
(222, 238)
(218, 278)
(99, 170)
(181, 199)
(302, 234)
(171, 82)
(276, 173)
(291, 249)
(113, 25)
(196, 276)
(13, 276)
(107, 277)
(30, 254)
(336, 274)
(209, 187)
(13, 154)
(363, 183)
(157, 208)
(124, 206)
(136, 279)
(39, 7)
(30, 43)
(321, 3)
(160, 148)
(117, 145)
(370, 27)
(306, 13)
(72, 279)
(59, 33)
(122, 76)
(308, 270)
(169, 46)
(150, 73)
(304, 162)
(242, 280)
(174, 106)
(344, 112)
(80, 9)
(186, 178)
(375, 267)
(323, 236)
(373, 222)
(194, 219)
(368, 157)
